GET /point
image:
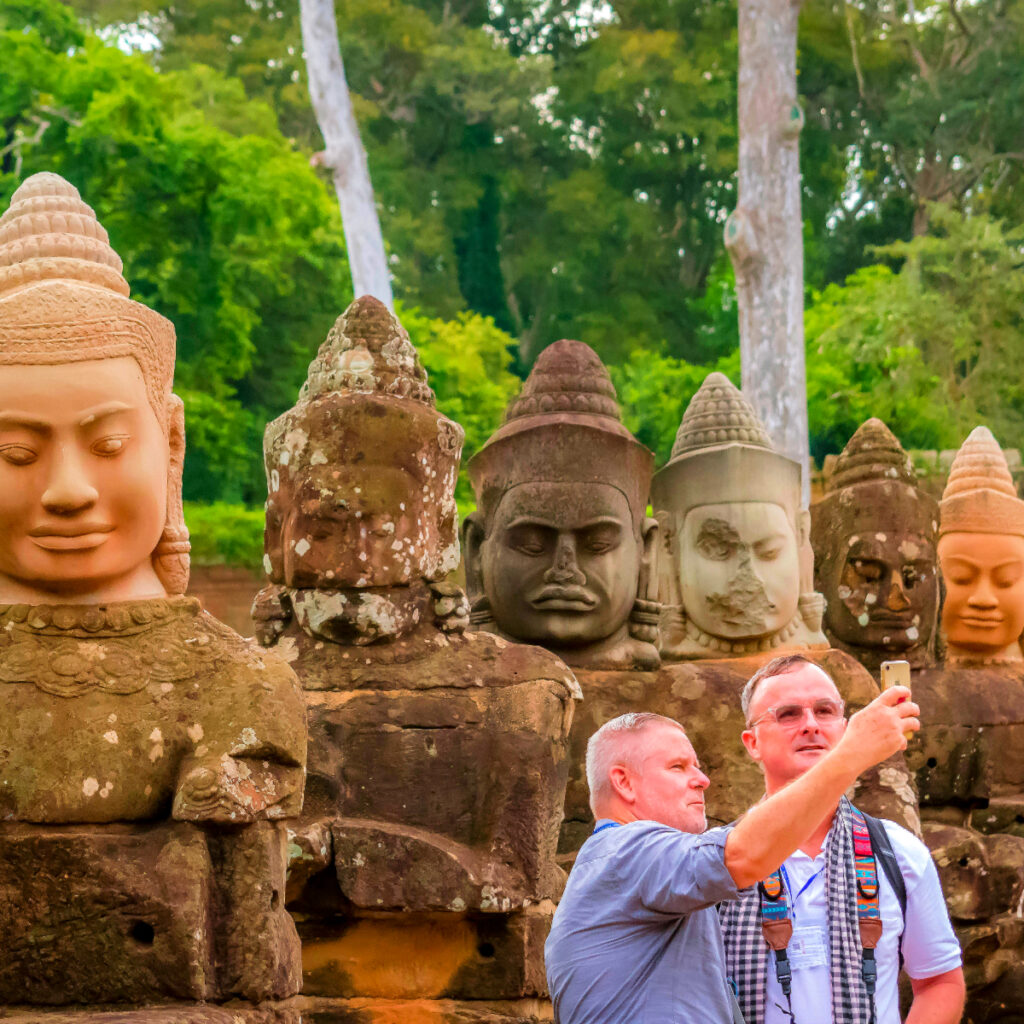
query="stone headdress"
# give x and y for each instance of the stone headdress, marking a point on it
(723, 454)
(63, 299)
(980, 496)
(565, 426)
(872, 484)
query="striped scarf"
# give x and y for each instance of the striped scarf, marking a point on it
(747, 954)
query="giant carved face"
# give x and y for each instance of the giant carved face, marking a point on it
(561, 562)
(984, 574)
(361, 493)
(740, 569)
(885, 591)
(83, 482)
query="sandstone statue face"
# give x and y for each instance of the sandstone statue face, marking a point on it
(561, 562)
(740, 568)
(344, 524)
(886, 593)
(83, 482)
(984, 574)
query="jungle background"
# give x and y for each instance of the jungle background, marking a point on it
(544, 169)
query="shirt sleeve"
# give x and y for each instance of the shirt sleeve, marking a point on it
(677, 872)
(930, 946)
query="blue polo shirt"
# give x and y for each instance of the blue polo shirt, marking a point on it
(635, 938)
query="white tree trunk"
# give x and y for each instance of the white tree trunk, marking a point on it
(764, 234)
(344, 153)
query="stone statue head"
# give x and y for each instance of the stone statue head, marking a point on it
(558, 551)
(981, 553)
(874, 535)
(737, 578)
(91, 439)
(361, 470)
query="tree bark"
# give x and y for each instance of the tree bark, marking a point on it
(764, 235)
(344, 153)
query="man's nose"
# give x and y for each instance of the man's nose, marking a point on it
(564, 568)
(896, 600)
(69, 488)
(701, 781)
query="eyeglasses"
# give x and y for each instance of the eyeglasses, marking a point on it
(789, 716)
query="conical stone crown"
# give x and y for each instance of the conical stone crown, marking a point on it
(48, 233)
(980, 464)
(719, 414)
(567, 377)
(873, 453)
(367, 351)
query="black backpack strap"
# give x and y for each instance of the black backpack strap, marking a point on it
(885, 855)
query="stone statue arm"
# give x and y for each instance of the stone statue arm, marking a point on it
(253, 767)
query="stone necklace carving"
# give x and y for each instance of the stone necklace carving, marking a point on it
(70, 650)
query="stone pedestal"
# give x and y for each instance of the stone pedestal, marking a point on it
(969, 767)
(140, 914)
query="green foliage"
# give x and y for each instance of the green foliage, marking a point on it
(223, 227)
(225, 534)
(467, 360)
(931, 349)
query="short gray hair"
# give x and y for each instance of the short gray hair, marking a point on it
(779, 666)
(603, 747)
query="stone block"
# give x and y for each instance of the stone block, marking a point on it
(426, 956)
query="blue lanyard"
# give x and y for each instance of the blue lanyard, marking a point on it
(803, 889)
(607, 824)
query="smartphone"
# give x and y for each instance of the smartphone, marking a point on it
(896, 673)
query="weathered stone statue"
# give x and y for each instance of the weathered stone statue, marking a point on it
(559, 551)
(981, 549)
(438, 759)
(144, 746)
(738, 556)
(970, 760)
(874, 535)
(737, 576)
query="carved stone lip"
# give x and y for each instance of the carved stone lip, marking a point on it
(981, 621)
(890, 619)
(563, 599)
(67, 537)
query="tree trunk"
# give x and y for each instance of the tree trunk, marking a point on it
(344, 153)
(764, 234)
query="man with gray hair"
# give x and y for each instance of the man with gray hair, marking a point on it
(635, 939)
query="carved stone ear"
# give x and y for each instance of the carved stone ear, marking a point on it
(473, 534)
(171, 558)
(649, 535)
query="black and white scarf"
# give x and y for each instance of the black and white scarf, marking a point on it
(747, 954)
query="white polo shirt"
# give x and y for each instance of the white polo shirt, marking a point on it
(929, 945)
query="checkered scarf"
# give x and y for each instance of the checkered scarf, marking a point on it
(747, 954)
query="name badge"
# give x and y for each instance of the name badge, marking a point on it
(808, 948)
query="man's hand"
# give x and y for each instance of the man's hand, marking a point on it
(876, 732)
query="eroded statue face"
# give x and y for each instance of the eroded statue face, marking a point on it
(348, 525)
(739, 568)
(561, 563)
(984, 606)
(83, 482)
(886, 593)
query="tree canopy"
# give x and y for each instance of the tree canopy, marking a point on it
(544, 169)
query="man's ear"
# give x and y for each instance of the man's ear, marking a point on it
(621, 780)
(473, 535)
(749, 738)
